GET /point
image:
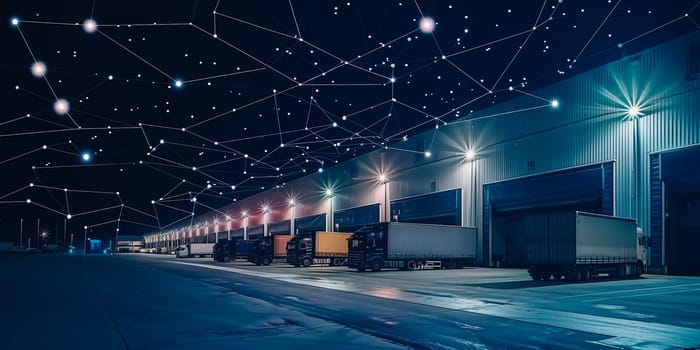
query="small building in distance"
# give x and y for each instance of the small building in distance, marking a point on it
(130, 243)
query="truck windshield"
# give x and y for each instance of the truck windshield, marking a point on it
(357, 240)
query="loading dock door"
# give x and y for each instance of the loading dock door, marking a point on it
(675, 210)
(280, 228)
(441, 208)
(349, 220)
(508, 206)
(310, 223)
(256, 232)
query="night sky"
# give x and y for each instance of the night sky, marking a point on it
(121, 113)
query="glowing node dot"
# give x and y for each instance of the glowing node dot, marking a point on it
(61, 106)
(90, 26)
(178, 83)
(85, 156)
(427, 25)
(428, 154)
(69, 216)
(29, 201)
(555, 103)
(393, 80)
(162, 141)
(38, 69)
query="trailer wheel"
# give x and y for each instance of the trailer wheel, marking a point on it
(227, 258)
(411, 265)
(585, 273)
(376, 265)
(557, 276)
(306, 262)
(266, 261)
(337, 262)
(574, 275)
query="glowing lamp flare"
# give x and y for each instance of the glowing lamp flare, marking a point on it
(633, 111)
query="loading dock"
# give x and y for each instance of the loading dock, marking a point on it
(675, 210)
(509, 204)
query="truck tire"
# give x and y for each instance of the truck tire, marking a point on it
(266, 261)
(585, 273)
(376, 265)
(411, 265)
(574, 274)
(306, 262)
(227, 258)
(336, 262)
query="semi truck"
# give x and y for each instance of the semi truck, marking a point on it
(318, 247)
(269, 249)
(577, 245)
(194, 249)
(226, 251)
(410, 246)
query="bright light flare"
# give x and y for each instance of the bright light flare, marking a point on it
(469, 154)
(85, 156)
(38, 69)
(555, 103)
(90, 26)
(427, 25)
(61, 106)
(14, 21)
(633, 112)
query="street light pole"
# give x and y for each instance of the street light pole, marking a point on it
(85, 241)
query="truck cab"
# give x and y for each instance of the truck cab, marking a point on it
(367, 247)
(300, 250)
(642, 248)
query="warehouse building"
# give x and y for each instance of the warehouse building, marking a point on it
(622, 140)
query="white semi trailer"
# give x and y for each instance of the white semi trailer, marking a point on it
(194, 249)
(410, 246)
(578, 245)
